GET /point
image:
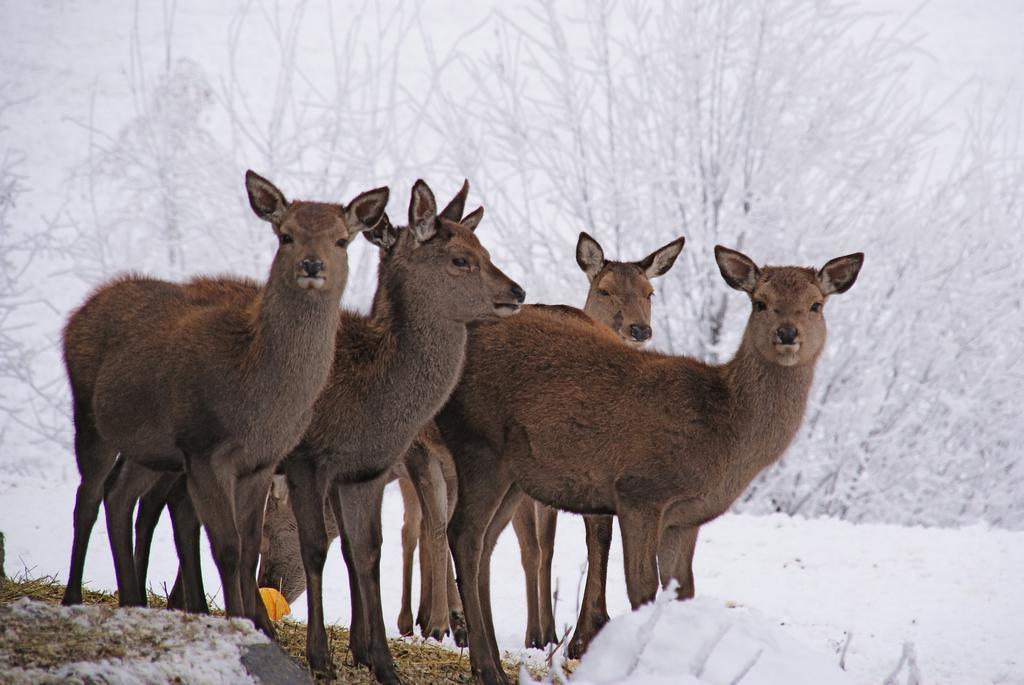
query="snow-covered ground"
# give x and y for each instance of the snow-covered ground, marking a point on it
(951, 592)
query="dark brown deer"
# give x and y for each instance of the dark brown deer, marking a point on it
(392, 371)
(619, 297)
(219, 392)
(554, 406)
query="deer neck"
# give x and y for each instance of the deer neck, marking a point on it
(425, 354)
(768, 403)
(291, 346)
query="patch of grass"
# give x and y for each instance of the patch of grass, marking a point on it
(417, 661)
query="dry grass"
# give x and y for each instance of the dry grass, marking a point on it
(417, 661)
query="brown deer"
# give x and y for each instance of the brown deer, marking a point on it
(392, 371)
(219, 392)
(554, 406)
(619, 297)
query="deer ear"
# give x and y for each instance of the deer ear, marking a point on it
(661, 260)
(422, 212)
(265, 199)
(839, 274)
(738, 270)
(453, 212)
(589, 255)
(383, 235)
(472, 220)
(367, 210)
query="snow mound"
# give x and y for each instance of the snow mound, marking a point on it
(43, 643)
(702, 641)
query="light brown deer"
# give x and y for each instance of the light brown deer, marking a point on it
(619, 297)
(219, 392)
(556, 407)
(392, 371)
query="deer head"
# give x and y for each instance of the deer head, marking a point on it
(787, 318)
(440, 255)
(313, 236)
(620, 292)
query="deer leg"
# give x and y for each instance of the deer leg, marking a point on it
(510, 503)
(426, 475)
(594, 612)
(677, 546)
(188, 592)
(151, 506)
(524, 522)
(547, 519)
(359, 504)
(125, 485)
(251, 503)
(639, 526)
(410, 536)
(481, 491)
(307, 494)
(95, 460)
(456, 614)
(213, 494)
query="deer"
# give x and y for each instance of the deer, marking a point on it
(619, 296)
(392, 372)
(555, 407)
(161, 383)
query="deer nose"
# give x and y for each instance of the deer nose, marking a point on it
(312, 267)
(639, 332)
(518, 293)
(786, 335)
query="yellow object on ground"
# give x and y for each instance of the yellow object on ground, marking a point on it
(277, 605)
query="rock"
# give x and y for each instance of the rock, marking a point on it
(271, 665)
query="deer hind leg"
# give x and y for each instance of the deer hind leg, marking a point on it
(428, 480)
(482, 488)
(127, 482)
(188, 592)
(410, 537)
(594, 612)
(151, 506)
(524, 522)
(675, 558)
(213, 494)
(547, 519)
(357, 506)
(307, 495)
(95, 460)
(456, 613)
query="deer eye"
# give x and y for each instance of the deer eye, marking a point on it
(341, 242)
(650, 295)
(602, 293)
(759, 306)
(816, 307)
(285, 239)
(460, 262)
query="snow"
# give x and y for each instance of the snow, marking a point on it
(705, 641)
(160, 646)
(949, 592)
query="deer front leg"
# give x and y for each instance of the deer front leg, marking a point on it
(410, 537)
(524, 522)
(251, 499)
(307, 498)
(675, 558)
(480, 494)
(594, 612)
(547, 519)
(640, 524)
(189, 583)
(359, 507)
(428, 480)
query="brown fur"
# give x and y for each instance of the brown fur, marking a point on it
(173, 381)
(551, 407)
(619, 297)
